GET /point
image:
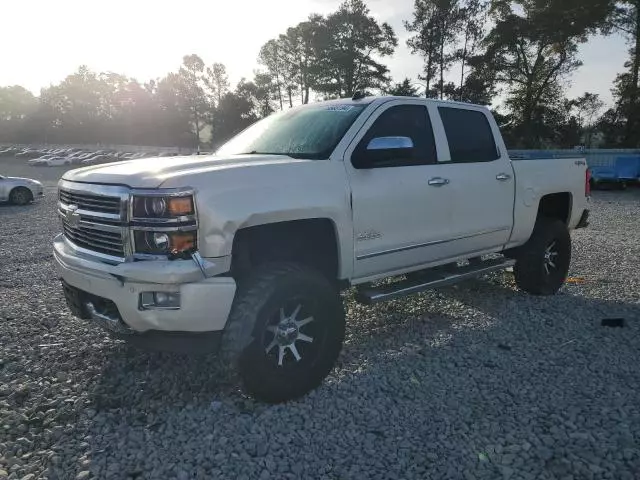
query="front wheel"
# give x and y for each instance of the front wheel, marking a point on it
(543, 262)
(285, 331)
(20, 196)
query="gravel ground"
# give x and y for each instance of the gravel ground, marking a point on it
(473, 381)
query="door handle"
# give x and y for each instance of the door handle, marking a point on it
(503, 177)
(438, 181)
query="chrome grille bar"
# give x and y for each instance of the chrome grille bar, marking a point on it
(83, 241)
(94, 219)
(89, 202)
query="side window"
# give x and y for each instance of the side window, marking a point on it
(469, 135)
(401, 121)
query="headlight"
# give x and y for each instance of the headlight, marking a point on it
(164, 243)
(162, 207)
(164, 223)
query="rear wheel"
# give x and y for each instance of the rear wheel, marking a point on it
(543, 262)
(20, 196)
(285, 331)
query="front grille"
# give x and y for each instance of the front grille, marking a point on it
(92, 238)
(95, 221)
(90, 202)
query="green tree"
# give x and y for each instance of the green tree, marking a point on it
(217, 81)
(587, 110)
(232, 114)
(435, 27)
(291, 59)
(472, 17)
(191, 82)
(17, 104)
(612, 127)
(261, 92)
(625, 19)
(272, 56)
(532, 47)
(347, 45)
(403, 89)
(299, 44)
(424, 41)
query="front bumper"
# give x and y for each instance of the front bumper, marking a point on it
(110, 294)
(104, 313)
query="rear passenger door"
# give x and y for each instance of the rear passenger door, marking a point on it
(481, 179)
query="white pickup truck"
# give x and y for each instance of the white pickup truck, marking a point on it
(246, 251)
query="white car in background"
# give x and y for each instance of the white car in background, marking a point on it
(40, 160)
(50, 161)
(57, 161)
(20, 191)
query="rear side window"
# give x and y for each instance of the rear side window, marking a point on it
(469, 135)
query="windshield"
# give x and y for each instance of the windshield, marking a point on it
(309, 132)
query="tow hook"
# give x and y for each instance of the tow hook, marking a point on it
(194, 255)
(197, 258)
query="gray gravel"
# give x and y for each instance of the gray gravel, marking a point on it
(473, 381)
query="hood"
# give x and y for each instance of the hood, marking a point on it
(22, 179)
(153, 172)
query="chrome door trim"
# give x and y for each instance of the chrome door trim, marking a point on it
(428, 244)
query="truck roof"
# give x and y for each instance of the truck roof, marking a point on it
(387, 98)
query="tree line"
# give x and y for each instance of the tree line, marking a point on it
(521, 52)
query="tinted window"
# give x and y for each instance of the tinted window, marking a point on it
(469, 135)
(404, 121)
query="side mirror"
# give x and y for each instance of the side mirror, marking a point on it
(381, 149)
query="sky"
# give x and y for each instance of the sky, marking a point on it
(42, 41)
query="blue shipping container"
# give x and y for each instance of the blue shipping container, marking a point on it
(612, 165)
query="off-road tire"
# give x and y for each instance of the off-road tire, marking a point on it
(259, 297)
(20, 196)
(530, 273)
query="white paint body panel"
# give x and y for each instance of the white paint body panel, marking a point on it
(537, 178)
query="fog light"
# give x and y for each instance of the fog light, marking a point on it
(159, 301)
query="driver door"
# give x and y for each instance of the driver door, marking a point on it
(401, 208)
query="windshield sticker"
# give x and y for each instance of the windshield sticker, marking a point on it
(339, 108)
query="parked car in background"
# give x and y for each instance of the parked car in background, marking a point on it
(57, 161)
(102, 158)
(20, 191)
(40, 160)
(40, 156)
(28, 154)
(8, 151)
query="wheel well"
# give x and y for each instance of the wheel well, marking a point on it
(555, 205)
(312, 242)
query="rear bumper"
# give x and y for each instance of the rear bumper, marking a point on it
(584, 219)
(109, 295)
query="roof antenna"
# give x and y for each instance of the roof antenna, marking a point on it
(358, 95)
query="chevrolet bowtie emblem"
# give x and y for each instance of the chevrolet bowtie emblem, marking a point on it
(72, 216)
